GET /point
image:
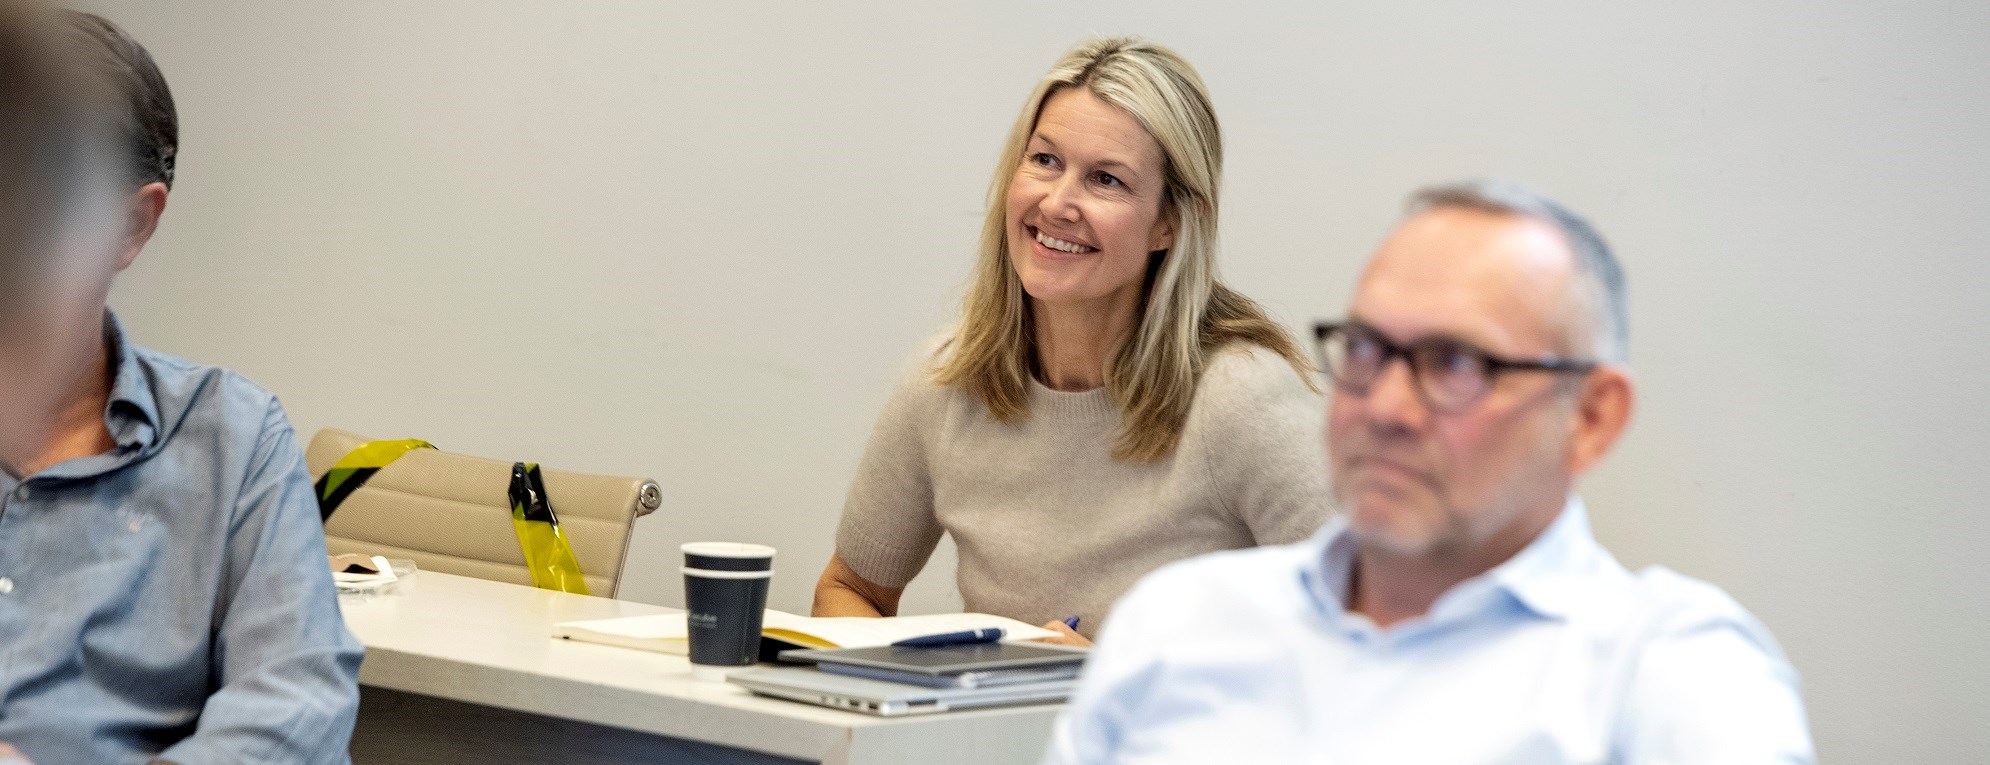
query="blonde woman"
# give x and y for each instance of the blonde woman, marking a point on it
(1105, 406)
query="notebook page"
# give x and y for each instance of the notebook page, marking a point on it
(861, 632)
(667, 633)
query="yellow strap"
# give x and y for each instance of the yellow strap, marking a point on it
(358, 465)
(548, 554)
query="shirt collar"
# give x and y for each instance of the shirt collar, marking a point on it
(1330, 566)
(132, 415)
(1547, 577)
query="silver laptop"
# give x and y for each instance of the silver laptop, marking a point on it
(884, 699)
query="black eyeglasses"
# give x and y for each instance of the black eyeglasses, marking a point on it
(1449, 375)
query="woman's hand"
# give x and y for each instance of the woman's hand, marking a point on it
(1065, 636)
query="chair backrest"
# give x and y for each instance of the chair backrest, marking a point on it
(452, 513)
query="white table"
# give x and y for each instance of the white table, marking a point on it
(465, 670)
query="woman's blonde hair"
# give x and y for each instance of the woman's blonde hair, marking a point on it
(1185, 313)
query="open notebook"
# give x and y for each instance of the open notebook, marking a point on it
(667, 634)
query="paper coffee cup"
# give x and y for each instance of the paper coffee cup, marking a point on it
(725, 598)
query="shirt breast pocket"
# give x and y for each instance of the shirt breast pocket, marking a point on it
(121, 594)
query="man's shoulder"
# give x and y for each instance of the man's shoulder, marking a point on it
(1658, 607)
(1708, 681)
(184, 390)
(1678, 605)
(1233, 587)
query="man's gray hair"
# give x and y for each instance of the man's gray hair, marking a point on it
(1594, 264)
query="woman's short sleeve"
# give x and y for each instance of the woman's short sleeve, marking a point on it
(889, 528)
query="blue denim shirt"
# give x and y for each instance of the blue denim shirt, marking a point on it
(170, 599)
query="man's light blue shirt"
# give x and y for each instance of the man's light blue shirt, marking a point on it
(1559, 655)
(171, 599)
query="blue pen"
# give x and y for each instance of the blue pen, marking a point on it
(1071, 622)
(970, 637)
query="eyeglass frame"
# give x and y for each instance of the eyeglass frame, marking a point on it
(1495, 364)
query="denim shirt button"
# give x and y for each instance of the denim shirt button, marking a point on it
(6, 585)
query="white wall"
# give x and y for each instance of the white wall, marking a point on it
(696, 241)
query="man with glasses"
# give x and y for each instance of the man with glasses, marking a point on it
(1459, 611)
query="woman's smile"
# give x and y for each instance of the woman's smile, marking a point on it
(1047, 247)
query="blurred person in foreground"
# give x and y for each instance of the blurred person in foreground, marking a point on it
(164, 592)
(28, 100)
